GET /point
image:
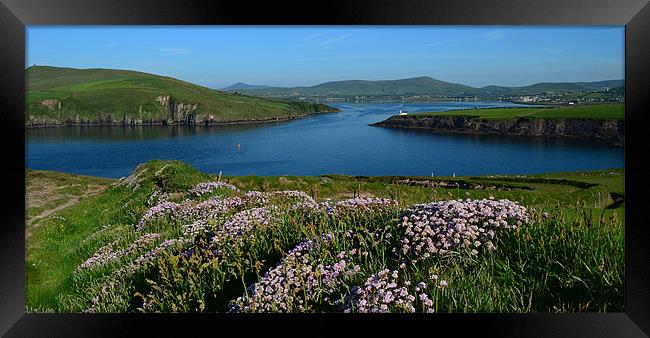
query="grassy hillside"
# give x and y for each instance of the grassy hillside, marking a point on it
(597, 111)
(67, 94)
(160, 240)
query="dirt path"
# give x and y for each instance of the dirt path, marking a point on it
(532, 112)
(38, 196)
(91, 190)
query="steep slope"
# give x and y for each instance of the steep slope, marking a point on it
(56, 96)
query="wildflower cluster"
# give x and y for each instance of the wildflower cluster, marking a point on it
(207, 187)
(360, 204)
(380, 293)
(215, 241)
(301, 196)
(151, 255)
(439, 227)
(262, 198)
(189, 210)
(115, 284)
(162, 208)
(108, 252)
(298, 282)
(240, 224)
(384, 293)
(257, 197)
(196, 228)
(210, 208)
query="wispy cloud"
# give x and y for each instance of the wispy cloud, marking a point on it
(334, 40)
(443, 42)
(495, 35)
(491, 35)
(313, 36)
(324, 39)
(173, 50)
(407, 56)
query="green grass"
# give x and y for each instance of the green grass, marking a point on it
(595, 111)
(570, 261)
(90, 93)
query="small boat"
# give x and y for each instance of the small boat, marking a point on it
(403, 112)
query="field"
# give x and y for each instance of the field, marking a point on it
(91, 93)
(595, 111)
(172, 239)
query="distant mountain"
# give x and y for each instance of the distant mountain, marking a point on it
(411, 86)
(425, 85)
(602, 85)
(244, 86)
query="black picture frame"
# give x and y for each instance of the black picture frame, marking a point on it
(15, 15)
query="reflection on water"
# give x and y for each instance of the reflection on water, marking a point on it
(132, 133)
(326, 143)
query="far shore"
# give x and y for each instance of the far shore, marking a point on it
(164, 123)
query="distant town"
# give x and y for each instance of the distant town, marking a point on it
(562, 98)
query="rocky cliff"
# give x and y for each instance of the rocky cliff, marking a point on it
(167, 111)
(178, 112)
(609, 130)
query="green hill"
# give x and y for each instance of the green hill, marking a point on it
(107, 96)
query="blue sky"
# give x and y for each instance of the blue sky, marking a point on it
(308, 55)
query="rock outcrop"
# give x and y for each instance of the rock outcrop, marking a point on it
(178, 112)
(609, 130)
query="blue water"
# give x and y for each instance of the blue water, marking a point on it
(338, 143)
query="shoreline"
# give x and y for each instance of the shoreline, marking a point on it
(471, 132)
(497, 176)
(164, 123)
(608, 131)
